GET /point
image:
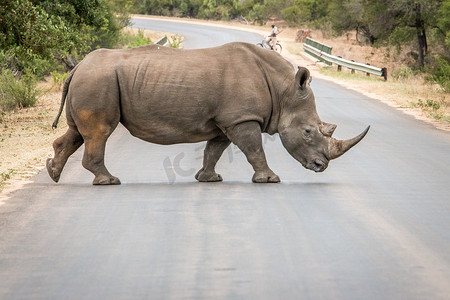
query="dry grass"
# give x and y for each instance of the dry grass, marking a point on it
(26, 136)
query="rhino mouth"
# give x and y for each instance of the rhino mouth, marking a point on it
(317, 165)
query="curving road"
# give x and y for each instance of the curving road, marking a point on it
(374, 225)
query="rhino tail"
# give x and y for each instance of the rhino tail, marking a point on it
(64, 95)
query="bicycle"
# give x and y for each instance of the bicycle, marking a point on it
(265, 45)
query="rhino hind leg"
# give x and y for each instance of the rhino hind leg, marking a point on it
(64, 147)
(247, 136)
(213, 150)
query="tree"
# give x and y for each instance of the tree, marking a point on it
(419, 15)
(35, 32)
(306, 11)
(273, 8)
(398, 21)
(29, 34)
(159, 7)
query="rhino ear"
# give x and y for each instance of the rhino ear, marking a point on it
(302, 77)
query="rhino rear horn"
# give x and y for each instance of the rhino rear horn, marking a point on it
(327, 129)
(339, 147)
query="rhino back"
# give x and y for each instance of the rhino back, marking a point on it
(172, 95)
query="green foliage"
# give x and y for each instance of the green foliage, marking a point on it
(395, 22)
(58, 79)
(129, 40)
(175, 41)
(403, 72)
(257, 14)
(218, 9)
(17, 92)
(6, 175)
(434, 105)
(444, 22)
(292, 15)
(432, 108)
(28, 36)
(161, 7)
(440, 73)
(273, 8)
(36, 34)
(401, 36)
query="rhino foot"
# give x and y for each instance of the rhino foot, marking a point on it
(106, 180)
(204, 176)
(52, 170)
(265, 178)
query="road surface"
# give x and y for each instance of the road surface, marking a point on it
(374, 225)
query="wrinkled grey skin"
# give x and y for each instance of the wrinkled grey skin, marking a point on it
(226, 94)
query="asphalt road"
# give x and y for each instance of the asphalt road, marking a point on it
(374, 225)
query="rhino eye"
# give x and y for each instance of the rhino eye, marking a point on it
(308, 130)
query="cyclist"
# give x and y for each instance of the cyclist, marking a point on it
(272, 38)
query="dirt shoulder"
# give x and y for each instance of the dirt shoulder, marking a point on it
(26, 135)
(26, 139)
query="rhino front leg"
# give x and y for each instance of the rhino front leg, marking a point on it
(213, 150)
(94, 161)
(247, 136)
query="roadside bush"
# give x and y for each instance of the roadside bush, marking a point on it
(440, 73)
(175, 41)
(403, 72)
(58, 79)
(130, 40)
(15, 92)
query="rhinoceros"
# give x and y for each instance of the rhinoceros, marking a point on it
(230, 93)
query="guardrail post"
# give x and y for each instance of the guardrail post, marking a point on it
(353, 70)
(368, 74)
(384, 73)
(339, 67)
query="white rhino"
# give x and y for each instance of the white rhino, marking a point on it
(230, 93)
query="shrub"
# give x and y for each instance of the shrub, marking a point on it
(58, 79)
(257, 14)
(131, 40)
(292, 15)
(434, 105)
(17, 92)
(175, 41)
(440, 73)
(403, 72)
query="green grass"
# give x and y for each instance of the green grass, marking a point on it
(130, 40)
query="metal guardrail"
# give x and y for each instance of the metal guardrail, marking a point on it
(162, 41)
(332, 59)
(319, 46)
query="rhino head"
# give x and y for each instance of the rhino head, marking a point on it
(303, 134)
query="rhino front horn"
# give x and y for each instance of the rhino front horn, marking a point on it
(337, 147)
